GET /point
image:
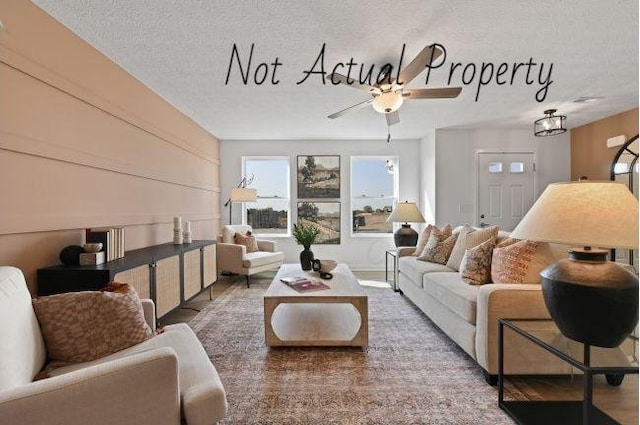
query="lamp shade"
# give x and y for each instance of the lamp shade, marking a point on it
(244, 194)
(406, 212)
(587, 213)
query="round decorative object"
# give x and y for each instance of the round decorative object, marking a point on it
(70, 255)
(593, 302)
(327, 266)
(92, 247)
(306, 259)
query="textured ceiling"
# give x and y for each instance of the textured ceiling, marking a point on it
(182, 50)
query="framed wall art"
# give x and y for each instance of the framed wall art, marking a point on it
(325, 215)
(318, 177)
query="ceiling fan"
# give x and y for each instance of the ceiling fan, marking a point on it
(388, 96)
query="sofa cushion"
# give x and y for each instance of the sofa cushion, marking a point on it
(229, 231)
(511, 260)
(424, 237)
(22, 348)
(438, 247)
(198, 379)
(422, 241)
(84, 326)
(248, 240)
(475, 267)
(469, 238)
(452, 291)
(414, 269)
(261, 258)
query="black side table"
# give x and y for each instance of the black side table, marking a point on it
(543, 332)
(393, 253)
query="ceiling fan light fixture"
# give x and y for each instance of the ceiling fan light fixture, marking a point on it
(550, 124)
(388, 102)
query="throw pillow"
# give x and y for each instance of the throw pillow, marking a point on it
(247, 240)
(424, 237)
(511, 260)
(438, 247)
(83, 326)
(475, 266)
(443, 233)
(468, 238)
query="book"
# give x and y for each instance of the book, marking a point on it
(112, 239)
(304, 283)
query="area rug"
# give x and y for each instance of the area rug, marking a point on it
(411, 373)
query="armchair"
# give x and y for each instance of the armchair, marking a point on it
(234, 258)
(163, 380)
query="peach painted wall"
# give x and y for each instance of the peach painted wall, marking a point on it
(84, 144)
(589, 153)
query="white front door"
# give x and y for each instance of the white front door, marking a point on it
(505, 188)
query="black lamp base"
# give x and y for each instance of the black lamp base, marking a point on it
(405, 236)
(591, 300)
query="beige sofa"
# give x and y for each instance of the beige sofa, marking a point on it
(167, 379)
(469, 314)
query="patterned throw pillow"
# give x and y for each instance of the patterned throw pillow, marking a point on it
(247, 240)
(443, 233)
(424, 237)
(469, 237)
(475, 267)
(511, 260)
(438, 247)
(83, 326)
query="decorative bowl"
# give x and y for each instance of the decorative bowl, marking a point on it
(92, 247)
(327, 266)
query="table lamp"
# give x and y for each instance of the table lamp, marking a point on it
(406, 212)
(591, 300)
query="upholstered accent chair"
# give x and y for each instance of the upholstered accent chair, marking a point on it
(234, 258)
(167, 379)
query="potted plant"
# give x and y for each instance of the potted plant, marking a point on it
(305, 235)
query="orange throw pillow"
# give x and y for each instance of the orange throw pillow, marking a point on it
(511, 260)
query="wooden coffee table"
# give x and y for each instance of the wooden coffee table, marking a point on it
(335, 316)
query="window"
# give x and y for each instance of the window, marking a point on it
(495, 167)
(374, 192)
(621, 168)
(270, 215)
(516, 167)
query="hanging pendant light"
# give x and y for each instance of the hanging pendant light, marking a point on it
(550, 124)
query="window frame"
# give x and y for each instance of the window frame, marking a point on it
(394, 199)
(287, 198)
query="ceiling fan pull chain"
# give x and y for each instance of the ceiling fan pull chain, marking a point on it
(388, 134)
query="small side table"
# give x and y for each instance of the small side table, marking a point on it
(545, 334)
(393, 253)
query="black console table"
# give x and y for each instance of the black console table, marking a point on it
(168, 274)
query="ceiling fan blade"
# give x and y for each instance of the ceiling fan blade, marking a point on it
(392, 118)
(417, 65)
(443, 93)
(351, 108)
(354, 83)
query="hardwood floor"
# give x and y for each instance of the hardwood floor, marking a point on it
(621, 403)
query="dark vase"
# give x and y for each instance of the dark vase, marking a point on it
(306, 258)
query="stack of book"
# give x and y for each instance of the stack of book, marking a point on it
(112, 239)
(304, 283)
